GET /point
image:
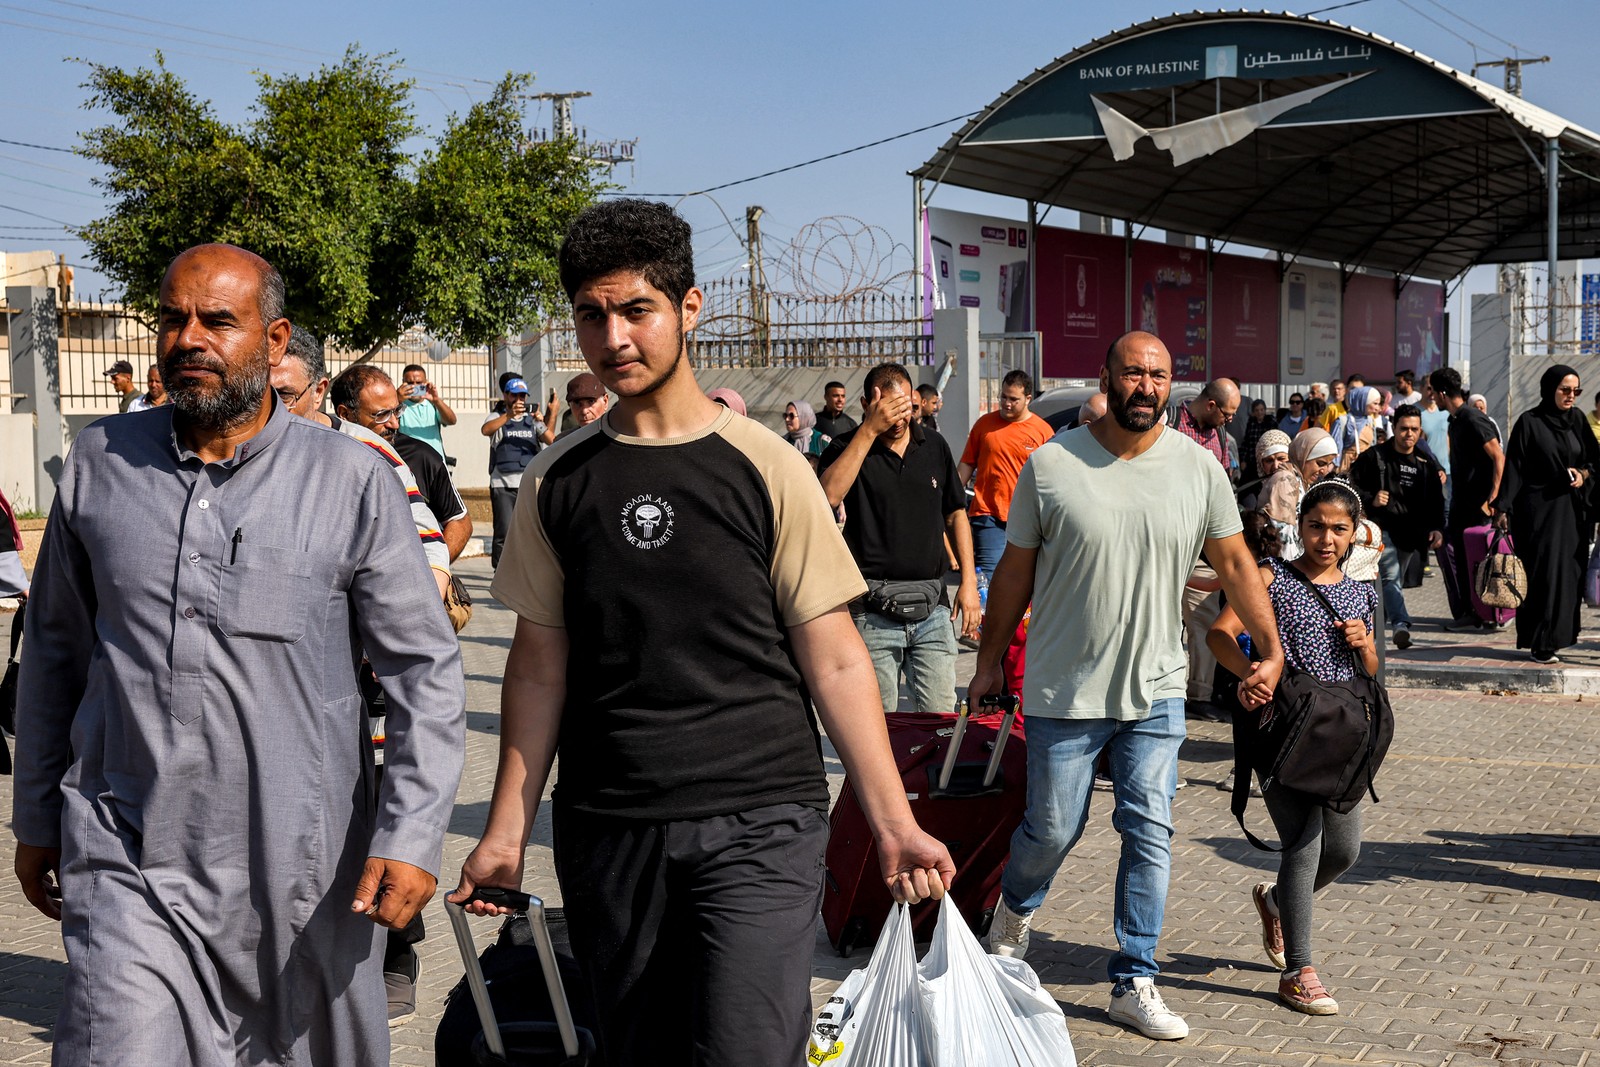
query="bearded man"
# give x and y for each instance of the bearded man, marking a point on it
(1106, 524)
(193, 763)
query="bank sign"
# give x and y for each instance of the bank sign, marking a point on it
(1284, 73)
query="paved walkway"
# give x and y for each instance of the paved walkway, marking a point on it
(1467, 934)
(1488, 659)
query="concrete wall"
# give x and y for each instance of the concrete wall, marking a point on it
(16, 460)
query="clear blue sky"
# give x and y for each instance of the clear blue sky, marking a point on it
(713, 91)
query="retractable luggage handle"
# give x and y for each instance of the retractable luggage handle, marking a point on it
(993, 700)
(533, 907)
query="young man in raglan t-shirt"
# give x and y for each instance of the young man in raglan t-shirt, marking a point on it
(690, 814)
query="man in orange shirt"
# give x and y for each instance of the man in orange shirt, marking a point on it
(999, 444)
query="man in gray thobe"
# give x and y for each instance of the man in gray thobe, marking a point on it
(193, 761)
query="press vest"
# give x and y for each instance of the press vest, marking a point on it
(516, 443)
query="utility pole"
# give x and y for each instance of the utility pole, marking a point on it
(759, 311)
(1513, 66)
(561, 126)
(1513, 277)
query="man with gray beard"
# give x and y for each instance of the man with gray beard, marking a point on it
(193, 766)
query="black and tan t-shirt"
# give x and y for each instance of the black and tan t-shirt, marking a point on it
(676, 567)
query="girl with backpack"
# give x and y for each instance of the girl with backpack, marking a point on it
(1319, 844)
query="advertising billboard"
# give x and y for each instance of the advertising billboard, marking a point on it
(1082, 295)
(1169, 300)
(979, 261)
(1369, 330)
(1310, 324)
(1419, 328)
(1244, 318)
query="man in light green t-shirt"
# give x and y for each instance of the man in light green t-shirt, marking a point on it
(424, 413)
(1106, 524)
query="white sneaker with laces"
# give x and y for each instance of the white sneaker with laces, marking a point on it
(1008, 932)
(1143, 1009)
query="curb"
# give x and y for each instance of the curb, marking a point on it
(1560, 681)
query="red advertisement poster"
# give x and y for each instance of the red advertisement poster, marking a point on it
(1368, 338)
(1244, 318)
(1082, 299)
(1169, 300)
(1419, 328)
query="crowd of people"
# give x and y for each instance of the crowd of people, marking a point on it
(200, 803)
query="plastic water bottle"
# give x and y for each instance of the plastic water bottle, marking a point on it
(983, 590)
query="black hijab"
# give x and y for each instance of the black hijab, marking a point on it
(1572, 419)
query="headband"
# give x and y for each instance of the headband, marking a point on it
(1342, 487)
(1275, 448)
(1324, 447)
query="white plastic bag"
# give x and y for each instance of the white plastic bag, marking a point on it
(874, 1018)
(986, 1011)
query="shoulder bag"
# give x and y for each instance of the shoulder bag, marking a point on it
(8, 690)
(1325, 740)
(1501, 581)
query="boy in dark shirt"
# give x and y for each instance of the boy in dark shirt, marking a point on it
(1476, 463)
(690, 815)
(1401, 491)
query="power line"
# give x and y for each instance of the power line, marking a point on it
(48, 185)
(318, 53)
(807, 163)
(422, 83)
(45, 166)
(41, 147)
(35, 214)
(1336, 7)
(1474, 25)
(1424, 15)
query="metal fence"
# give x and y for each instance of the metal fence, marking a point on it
(94, 336)
(744, 327)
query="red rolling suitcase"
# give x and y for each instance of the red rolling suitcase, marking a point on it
(1480, 541)
(966, 778)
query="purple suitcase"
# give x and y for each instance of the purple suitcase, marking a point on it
(1480, 541)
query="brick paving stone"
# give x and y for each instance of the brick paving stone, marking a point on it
(1466, 935)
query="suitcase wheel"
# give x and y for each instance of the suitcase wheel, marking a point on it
(850, 936)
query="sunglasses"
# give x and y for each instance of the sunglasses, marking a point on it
(1569, 390)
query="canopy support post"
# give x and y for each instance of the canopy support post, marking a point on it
(918, 241)
(1552, 172)
(1033, 273)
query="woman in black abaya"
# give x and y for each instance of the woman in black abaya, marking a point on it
(1545, 498)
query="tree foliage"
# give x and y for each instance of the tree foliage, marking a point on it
(371, 239)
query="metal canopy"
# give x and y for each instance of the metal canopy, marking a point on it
(1289, 133)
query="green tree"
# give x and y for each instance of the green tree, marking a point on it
(460, 240)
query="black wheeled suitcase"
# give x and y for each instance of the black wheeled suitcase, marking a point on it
(512, 1009)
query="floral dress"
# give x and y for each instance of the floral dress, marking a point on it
(1311, 641)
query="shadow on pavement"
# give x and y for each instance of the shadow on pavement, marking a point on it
(42, 995)
(1451, 856)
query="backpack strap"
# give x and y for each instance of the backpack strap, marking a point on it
(16, 631)
(1243, 775)
(1361, 668)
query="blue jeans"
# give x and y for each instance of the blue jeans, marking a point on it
(1144, 775)
(1394, 597)
(988, 541)
(926, 651)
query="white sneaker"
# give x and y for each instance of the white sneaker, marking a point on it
(1008, 933)
(1143, 1009)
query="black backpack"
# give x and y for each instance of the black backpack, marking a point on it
(1325, 740)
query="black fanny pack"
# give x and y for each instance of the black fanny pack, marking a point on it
(903, 601)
